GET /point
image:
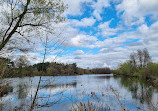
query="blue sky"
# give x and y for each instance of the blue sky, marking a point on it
(103, 33)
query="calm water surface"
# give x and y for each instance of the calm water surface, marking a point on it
(65, 93)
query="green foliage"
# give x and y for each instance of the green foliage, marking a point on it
(152, 69)
(41, 66)
(141, 67)
(139, 88)
(74, 65)
(5, 65)
(136, 74)
(125, 68)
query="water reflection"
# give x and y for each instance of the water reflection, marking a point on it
(65, 92)
(56, 86)
(23, 91)
(4, 90)
(141, 90)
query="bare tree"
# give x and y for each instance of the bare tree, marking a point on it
(22, 61)
(140, 59)
(133, 60)
(147, 57)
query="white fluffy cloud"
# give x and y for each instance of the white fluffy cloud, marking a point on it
(75, 6)
(134, 11)
(78, 52)
(84, 22)
(98, 8)
(82, 41)
(107, 31)
(103, 49)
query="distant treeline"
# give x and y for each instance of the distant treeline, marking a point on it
(139, 65)
(21, 68)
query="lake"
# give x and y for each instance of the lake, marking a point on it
(65, 93)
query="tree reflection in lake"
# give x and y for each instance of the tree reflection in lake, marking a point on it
(140, 89)
(5, 90)
(55, 86)
(23, 91)
(62, 92)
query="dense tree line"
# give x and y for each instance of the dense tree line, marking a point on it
(21, 67)
(101, 70)
(54, 68)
